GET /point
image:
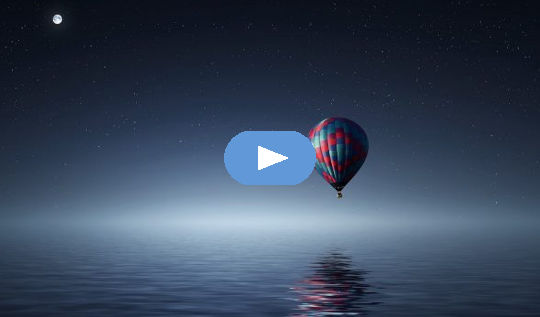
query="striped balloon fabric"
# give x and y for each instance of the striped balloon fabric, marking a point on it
(341, 146)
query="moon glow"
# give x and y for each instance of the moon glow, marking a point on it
(57, 19)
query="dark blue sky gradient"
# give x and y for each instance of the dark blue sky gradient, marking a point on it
(126, 109)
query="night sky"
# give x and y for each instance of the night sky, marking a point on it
(125, 108)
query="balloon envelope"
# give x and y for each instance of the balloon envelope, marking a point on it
(341, 147)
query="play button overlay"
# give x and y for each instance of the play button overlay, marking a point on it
(269, 158)
(266, 158)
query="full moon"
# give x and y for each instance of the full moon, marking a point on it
(57, 19)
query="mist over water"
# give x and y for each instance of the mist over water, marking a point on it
(240, 269)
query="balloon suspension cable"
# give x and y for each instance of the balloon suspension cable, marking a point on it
(339, 194)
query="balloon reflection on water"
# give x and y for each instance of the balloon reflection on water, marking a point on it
(334, 289)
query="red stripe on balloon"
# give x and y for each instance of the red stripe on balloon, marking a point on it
(332, 139)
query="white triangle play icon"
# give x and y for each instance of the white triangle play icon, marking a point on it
(266, 158)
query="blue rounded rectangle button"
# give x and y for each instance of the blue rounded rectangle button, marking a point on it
(269, 157)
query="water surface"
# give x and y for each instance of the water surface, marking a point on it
(152, 271)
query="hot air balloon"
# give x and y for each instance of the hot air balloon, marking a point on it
(341, 147)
